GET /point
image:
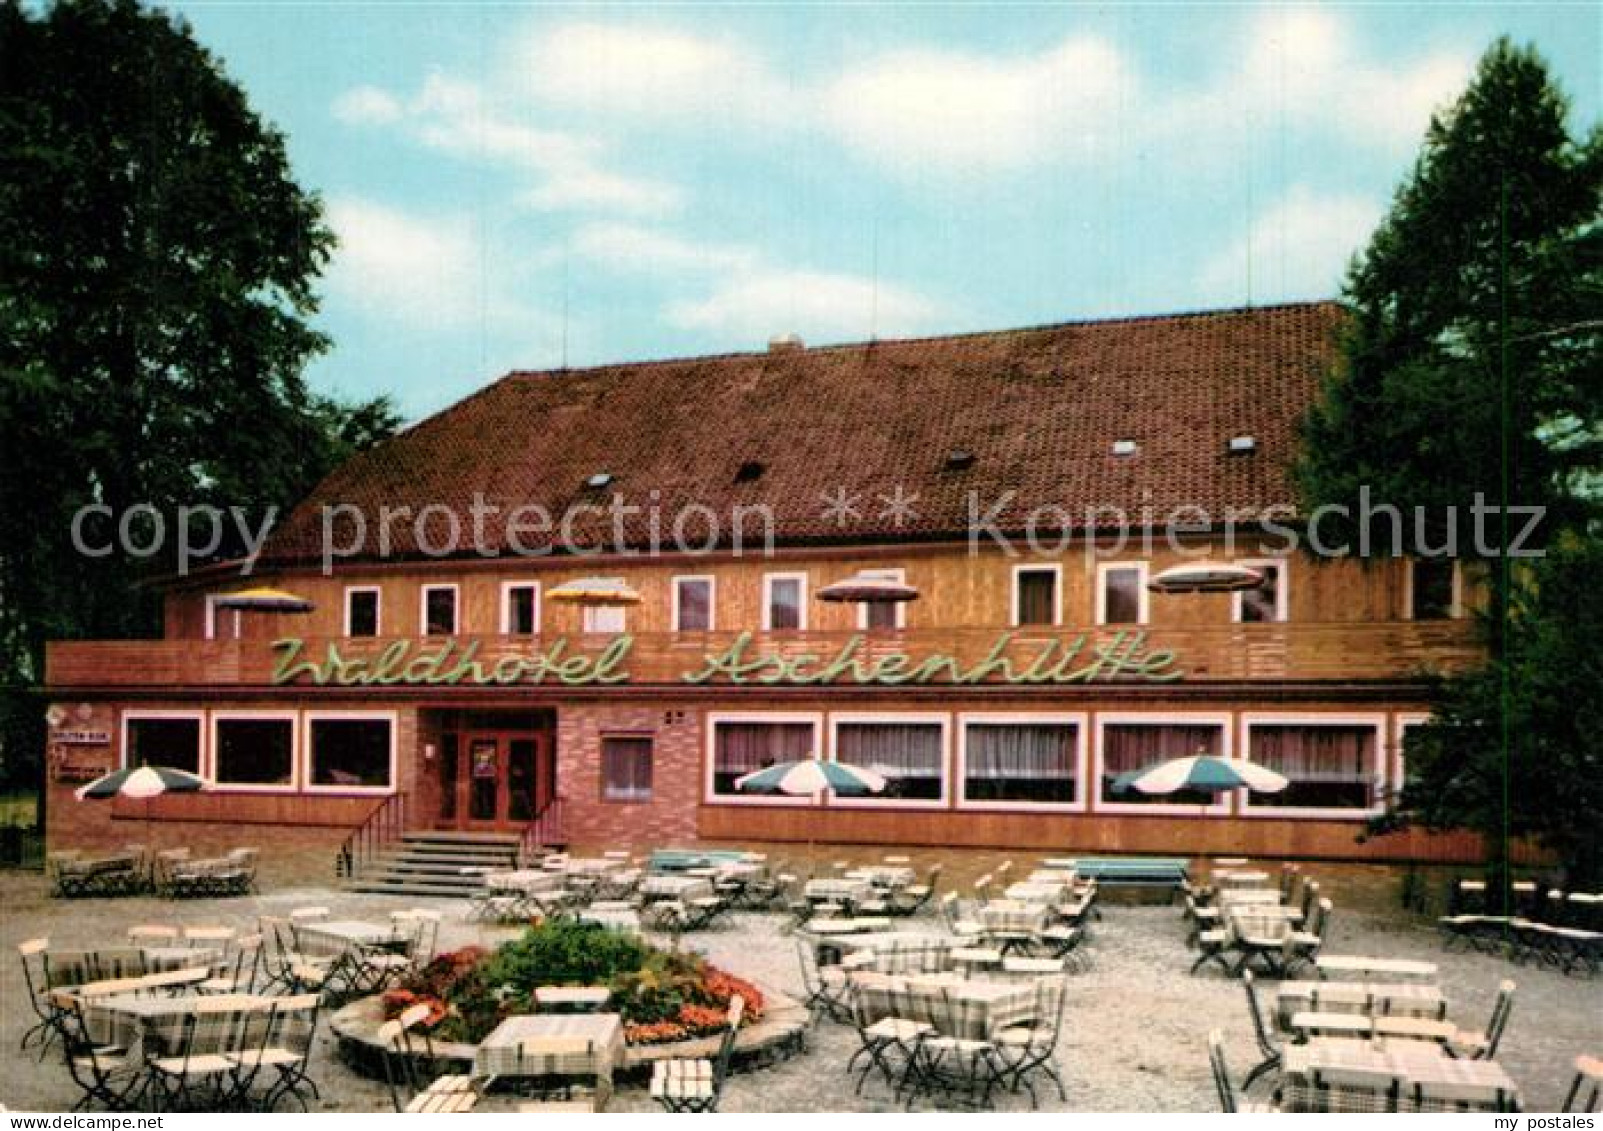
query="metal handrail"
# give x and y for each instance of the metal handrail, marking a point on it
(544, 830)
(381, 827)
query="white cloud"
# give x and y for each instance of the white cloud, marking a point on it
(1302, 69)
(650, 73)
(435, 271)
(367, 106)
(959, 111)
(820, 306)
(633, 249)
(462, 119)
(1297, 248)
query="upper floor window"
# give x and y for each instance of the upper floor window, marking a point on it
(1035, 595)
(361, 611)
(1265, 602)
(221, 624)
(1433, 589)
(1121, 593)
(784, 601)
(882, 614)
(692, 604)
(606, 620)
(520, 608)
(439, 610)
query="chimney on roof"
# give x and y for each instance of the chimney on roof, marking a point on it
(785, 343)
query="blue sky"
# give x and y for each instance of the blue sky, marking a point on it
(521, 186)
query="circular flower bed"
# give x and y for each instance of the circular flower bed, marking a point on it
(663, 995)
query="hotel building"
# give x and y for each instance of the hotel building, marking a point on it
(1019, 481)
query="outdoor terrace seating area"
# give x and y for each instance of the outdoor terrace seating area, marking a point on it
(174, 873)
(1545, 927)
(925, 985)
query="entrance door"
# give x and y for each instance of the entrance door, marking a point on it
(503, 779)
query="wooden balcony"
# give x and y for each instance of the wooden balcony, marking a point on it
(1233, 653)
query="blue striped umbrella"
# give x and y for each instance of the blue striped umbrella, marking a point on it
(1205, 773)
(811, 776)
(140, 782)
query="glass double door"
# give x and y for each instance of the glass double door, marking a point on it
(496, 779)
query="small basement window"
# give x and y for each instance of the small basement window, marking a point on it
(1125, 447)
(599, 480)
(1243, 445)
(958, 459)
(750, 471)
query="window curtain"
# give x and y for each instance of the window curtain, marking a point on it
(1037, 595)
(1127, 747)
(1020, 751)
(744, 747)
(892, 749)
(1316, 753)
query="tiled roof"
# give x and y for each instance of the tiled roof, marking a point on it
(1039, 410)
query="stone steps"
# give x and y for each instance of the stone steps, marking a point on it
(440, 864)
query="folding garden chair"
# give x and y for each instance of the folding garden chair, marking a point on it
(1269, 1046)
(1031, 1049)
(1587, 1086)
(886, 1039)
(696, 1085)
(1228, 1101)
(910, 900)
(948, 1064)
(1483, 1045)
(35, 977)
(204, 1071)
(825, 988)
(108, 1075)
(287, 1050)
(237, 972)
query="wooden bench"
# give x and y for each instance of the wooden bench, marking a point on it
(1359, 968)
(444, 1096)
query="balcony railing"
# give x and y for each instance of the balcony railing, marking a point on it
(1027, 656)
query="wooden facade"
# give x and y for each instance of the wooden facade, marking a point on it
(1346, 650)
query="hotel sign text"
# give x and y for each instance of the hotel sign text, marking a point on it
(1124, 655)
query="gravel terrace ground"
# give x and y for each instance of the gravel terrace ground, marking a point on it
(1136, 1024)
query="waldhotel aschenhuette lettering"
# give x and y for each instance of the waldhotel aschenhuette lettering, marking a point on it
(1124, 655)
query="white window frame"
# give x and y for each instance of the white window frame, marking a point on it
(423, 608)
(309, 716)
(133, 713)
(897, 574)
(211, 619)
(1396, 765)
(1143, 603)
(1104, 719)
(291, 717)
(1080, 720)
(943, 719)
(378, 607)
(1282, 591)
(1056, 570)
(1455, 608)
(712, 600)
(815, 719)
(506, 604)
(650, 738)
(768, 601)
(1377, 720)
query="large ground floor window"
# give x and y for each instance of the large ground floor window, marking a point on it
(351, 752)
(162, 740)
(1330, 765)
(1132, 746)
(1021, 762)
(909, 755)
(254, 751)
(742, 746)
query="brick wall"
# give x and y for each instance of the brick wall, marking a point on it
(670, 816)
(298, 832)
